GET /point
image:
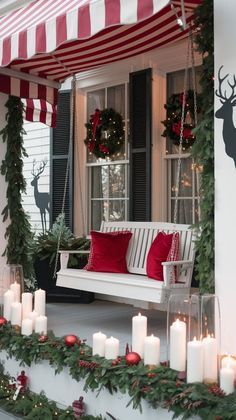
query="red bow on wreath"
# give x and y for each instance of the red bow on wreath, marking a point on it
(96, 121)
(187, 132)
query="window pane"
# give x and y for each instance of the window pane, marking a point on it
(117, 210)
(116, 99)
(99, 212)
(185, 185)
(95, 99)
(100, 182)
(117, 181)
(184, 211)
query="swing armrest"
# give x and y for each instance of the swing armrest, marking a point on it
(168, 269)
(64, 255)
(183, 262)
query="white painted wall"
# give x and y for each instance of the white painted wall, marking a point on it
(37, 145)
(225, 180)
(3, 186)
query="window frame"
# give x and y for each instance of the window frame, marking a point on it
(100, 162)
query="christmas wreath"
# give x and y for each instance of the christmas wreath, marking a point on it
(173, 118)
(105, 133)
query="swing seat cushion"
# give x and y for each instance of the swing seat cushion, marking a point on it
(108, 252)
(164, 248)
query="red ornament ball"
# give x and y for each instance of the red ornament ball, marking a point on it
(70, 340)
(3, 321)
(132, 358)
(42, 338)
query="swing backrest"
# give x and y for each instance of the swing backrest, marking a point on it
(144, 234)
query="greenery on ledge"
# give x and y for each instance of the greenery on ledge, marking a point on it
(160, 387)
(203, 148)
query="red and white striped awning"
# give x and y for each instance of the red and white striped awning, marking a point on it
(48, 40)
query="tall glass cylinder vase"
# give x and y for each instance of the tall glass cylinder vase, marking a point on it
(211, 336)
(13, 279)
(177, 330)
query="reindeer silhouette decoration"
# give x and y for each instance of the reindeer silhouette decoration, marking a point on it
(41, 198)
(226, 113)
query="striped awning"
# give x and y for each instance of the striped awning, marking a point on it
(48, 40)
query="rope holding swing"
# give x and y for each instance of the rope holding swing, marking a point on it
(190, 56)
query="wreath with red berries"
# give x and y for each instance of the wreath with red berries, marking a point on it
(105, 133)
(173, 118)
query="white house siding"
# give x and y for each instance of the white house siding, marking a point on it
(37, 145)
(225, 171)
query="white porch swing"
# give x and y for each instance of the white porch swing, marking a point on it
(136, 285)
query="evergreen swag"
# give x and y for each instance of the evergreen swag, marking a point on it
(203, 148)
(18, 233)
(105, 133)
(160, 387)
(172, 122)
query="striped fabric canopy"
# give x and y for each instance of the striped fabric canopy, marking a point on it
(48, 40)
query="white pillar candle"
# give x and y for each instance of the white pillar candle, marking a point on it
(139, 332)
(209, 359)
(99, 344)
(178, 345)
(227, 380)
(15, 287)
(229, 362)
(151, 350)
(16, 313)
(40, 301)
(27, 300)
(41, 324)
(112, 348)
(33, 315)
(8, 299)
(194, 361)
(26, 326)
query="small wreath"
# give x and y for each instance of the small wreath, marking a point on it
(105, 133)
(173, 121)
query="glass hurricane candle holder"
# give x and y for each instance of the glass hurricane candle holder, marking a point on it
(204, 338)
(14, 275)
(177, 330)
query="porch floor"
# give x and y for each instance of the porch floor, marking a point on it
(113, 319)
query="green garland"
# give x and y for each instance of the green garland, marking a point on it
(18, 233)
(172, 122)
(105, 133)
(160, 387)
(33, 406)
(203, 148)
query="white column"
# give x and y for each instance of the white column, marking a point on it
(3, 185)
(225, 173)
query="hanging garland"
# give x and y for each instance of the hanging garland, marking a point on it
(18, 232)
(105, 133)
(173, 118)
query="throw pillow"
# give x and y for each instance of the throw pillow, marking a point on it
(158, 253)
(108, 252)
(174, 255)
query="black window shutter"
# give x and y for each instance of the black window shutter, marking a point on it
(59, 156)
(140, 144)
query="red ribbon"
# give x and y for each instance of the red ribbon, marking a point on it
(96, 121)
(187, 132)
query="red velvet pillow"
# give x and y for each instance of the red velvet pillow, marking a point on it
(157, 254)
(108, 252)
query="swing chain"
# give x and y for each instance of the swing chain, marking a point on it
(190, 47)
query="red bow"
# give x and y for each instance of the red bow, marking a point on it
(95, 119)
(187, 132)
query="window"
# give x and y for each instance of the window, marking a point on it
(108, 178)
(188, 196)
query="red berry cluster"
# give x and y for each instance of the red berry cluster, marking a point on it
(87, 365)
(116, 361)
